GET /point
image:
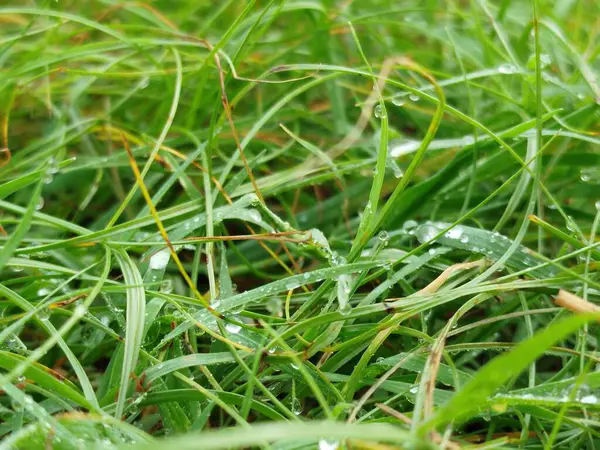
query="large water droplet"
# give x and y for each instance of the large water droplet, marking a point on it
(379, 112)
(409, 225)
(545, 60)
(274, 306)
(166, 286)
(454, 233)
(160, 259)
(233, 328)
(44, 313)
(399, 101)
(383, 235)
(343, 290)
(507, 68)
(426, 233)
(324, 444)
(414, 97)
(296, 407)
(590, 175)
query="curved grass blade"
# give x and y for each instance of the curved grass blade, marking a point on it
(136, 307)
(196, 359)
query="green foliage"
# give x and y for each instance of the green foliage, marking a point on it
(306, 170)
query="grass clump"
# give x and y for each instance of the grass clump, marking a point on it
(294, 224)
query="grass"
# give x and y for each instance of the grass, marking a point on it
(285, 224)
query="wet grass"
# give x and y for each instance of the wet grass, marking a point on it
(284, 225)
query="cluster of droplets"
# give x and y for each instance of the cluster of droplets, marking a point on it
(51, 170)
(398, 100)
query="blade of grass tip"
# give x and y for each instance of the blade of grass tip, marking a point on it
(15, 239)
(367, 221)
(135, 314)
(159, 141)
(501, 369)
(160, 226)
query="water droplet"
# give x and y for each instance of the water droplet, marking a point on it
(80, 310)
(40, 204)
(426, 233)
(454, 233)
(379, 112)
(345, 310)
(414, 389)
(160, 259)
(166, 286)
(597, 205)
(507, 68)
(414, 97)
(254, 215)
(296, 407)
(292, 284)
(397, 171)
(274, 306)
(589, 399)
(383, 235)
(545, 60)
(233, 328)
(464, 239)
(328, 445)
(52, 165)
(571, 225)
(43, 313)
(590, 175)
(399, 101)
(42, 292)
(409, 225)
(343, 291)
(432, 251)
